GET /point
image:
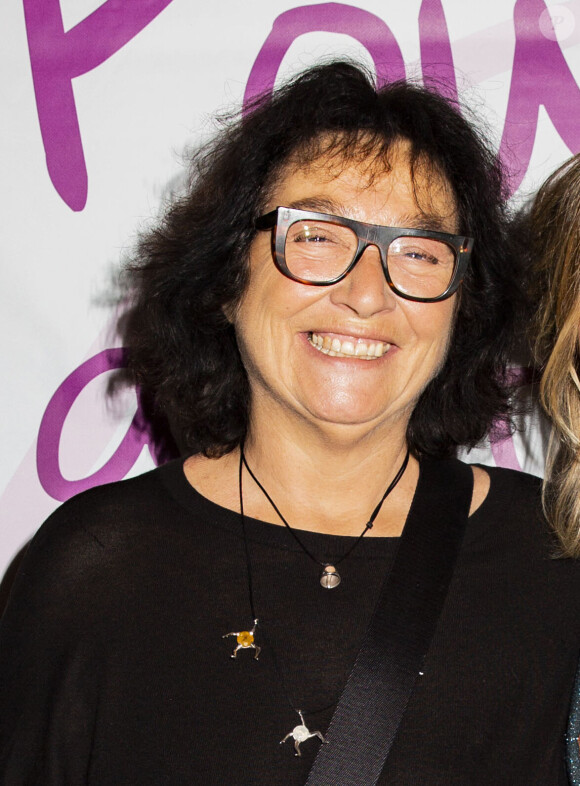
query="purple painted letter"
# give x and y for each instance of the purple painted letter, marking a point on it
(56, 57)
(368, 29)
(540, 75)
(49, 434)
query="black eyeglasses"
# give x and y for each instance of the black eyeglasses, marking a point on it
(321, 249)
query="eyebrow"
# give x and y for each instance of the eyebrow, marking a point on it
(318, 205)
(419, 220)
(423, 220)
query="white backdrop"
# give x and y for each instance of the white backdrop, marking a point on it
(99, 101)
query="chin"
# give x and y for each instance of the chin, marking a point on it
(339, 414)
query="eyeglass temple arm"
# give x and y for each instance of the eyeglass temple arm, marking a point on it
(267, 221)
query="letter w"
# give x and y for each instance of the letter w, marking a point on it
(540, 75)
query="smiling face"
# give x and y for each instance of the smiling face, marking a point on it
(351, 355)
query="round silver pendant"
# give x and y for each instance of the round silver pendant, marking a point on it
(329, 578)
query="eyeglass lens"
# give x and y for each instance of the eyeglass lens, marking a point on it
(319, 251)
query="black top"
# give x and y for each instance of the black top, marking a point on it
(113, 669)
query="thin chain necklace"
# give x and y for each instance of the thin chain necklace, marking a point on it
(329, 577)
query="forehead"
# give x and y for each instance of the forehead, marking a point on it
(377, 189)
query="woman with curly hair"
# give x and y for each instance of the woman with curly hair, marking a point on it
(323, 315)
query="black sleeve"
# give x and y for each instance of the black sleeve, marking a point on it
(50, 653)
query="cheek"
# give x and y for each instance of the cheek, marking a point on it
(257, 324)
(431, 321)
(434, 330)
(444, 336)
(443, 327)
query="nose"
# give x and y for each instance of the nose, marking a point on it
(365, 290)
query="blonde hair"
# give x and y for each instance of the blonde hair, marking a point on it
(555, 223)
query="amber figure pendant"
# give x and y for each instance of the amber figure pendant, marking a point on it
(245, 639)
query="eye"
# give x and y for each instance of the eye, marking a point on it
(303, 232)
(421, 251)
(420, 255)
(312, 237)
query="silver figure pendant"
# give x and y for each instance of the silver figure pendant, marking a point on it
(301, 733)
(245, 639)
(329, 578)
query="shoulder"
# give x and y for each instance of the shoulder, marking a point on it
(509, 488)
(511, 520)
(95, 537)
(106, 512)
(513, 489)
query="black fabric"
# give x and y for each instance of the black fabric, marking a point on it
(365, 722)
(113, 669)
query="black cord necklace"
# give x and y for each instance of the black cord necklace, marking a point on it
(329, 577)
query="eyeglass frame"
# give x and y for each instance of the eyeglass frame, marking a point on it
(282, 218)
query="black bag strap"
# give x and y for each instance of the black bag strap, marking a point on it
(378, 689)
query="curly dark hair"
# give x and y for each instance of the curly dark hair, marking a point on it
(183, 349)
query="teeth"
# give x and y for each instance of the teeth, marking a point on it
(349, 348)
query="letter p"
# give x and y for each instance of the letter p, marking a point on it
(56, 58)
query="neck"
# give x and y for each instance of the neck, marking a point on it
(328, 482)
